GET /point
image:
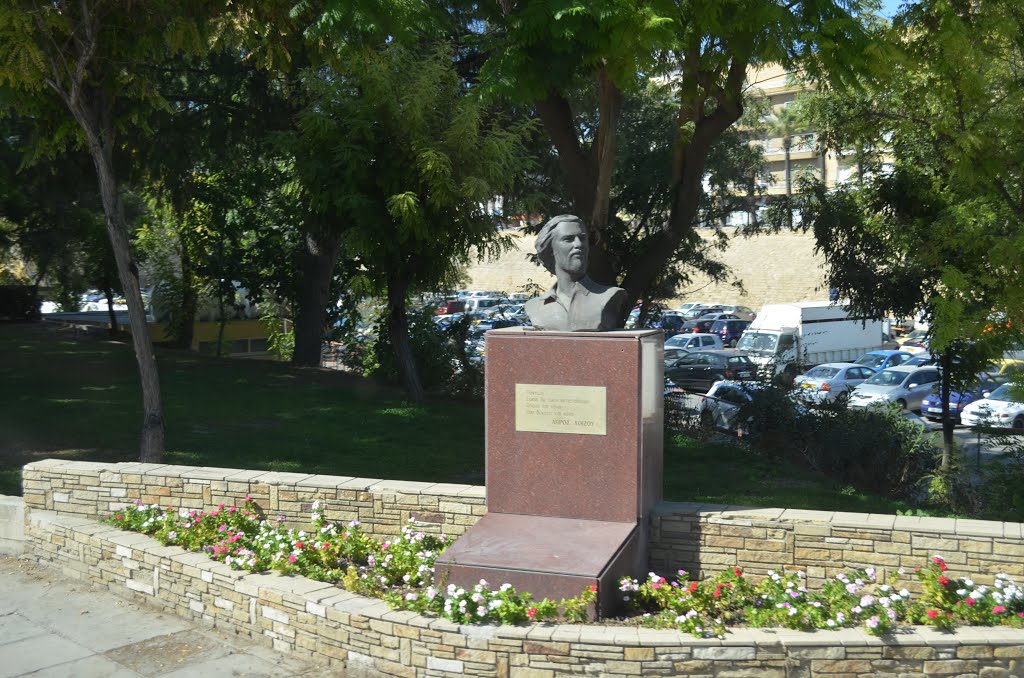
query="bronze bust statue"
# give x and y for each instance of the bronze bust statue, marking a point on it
(575, 303)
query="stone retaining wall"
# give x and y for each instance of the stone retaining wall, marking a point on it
(94, 490)
(708, 539)
(703, 539)
(321, 622)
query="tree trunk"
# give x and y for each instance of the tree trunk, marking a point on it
(111, 313)
(189, 296)
(786, 145)
(583, 171)
(601, 265)
(946, 363)
(93, 114)
(319, 257)
(398, 331)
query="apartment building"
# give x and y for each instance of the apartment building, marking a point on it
(781, 88)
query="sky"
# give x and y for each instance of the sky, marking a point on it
(889, 7)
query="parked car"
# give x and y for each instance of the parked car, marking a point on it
(696, 326)
(723, 403)
(931, 407)
(450, 306)
(741, 312)
(921, 360)
(729, 330)
(1001, 409)
(694, 342)
(1004, 370)
(719, 316)
(698, 370)
(673, 354)
(882, 360)
(831, 382)
(904, 386)
(699, 311)
(683, 308)
(915, 342)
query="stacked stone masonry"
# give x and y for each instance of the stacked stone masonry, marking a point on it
(322, 622)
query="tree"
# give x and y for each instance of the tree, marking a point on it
(937, 222)
(786, 122)
(411, 163)
(542, 54)
(91, 55)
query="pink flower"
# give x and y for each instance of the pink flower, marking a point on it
(222, 528)
(292, 559)
(998, 609)
(932, 614)
(969, 601)
(532, 613)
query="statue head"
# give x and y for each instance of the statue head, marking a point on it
(562, 245)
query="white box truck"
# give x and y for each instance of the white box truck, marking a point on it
(794, 337)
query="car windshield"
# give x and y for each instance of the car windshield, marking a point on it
(871, 360)
(1003, 394)
(887, 378)
(758, 342)
(823, 372)
(739, 361)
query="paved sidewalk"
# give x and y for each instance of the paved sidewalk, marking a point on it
(54, 627)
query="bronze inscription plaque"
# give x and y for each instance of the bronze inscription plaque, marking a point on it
(546, 408)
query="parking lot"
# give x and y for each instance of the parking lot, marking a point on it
(689, 406)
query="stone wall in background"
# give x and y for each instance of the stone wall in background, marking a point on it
(773, 268)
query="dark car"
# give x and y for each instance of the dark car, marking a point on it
(698, 370)
(729, 330)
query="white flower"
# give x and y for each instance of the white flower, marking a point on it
(494, 604)
(904, 593)
(830, 623)
(481, 611)
(316, 505)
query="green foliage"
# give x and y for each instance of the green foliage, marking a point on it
(280, 336)
(874, 450)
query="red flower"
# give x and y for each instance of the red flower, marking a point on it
(532, 613)
(943, 580)
(593, 588)
(299, 545)
(737, 571)
(932, 614)
(969, 601)
(693, 587)
(717, 593)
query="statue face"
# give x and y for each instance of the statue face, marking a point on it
(569, 247)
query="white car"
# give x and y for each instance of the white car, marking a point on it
(1000, 409)
(700, 341)
(904, 386)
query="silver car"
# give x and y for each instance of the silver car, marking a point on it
(904, 386)
(831, 382)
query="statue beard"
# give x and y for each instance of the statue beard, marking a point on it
(576, 266)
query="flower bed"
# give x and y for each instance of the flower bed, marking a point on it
(324, 623)
(401, 572)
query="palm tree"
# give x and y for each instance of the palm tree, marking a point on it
(786, 124)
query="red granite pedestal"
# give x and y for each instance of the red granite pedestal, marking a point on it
(573, 466)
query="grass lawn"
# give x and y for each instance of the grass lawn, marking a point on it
(79, 398)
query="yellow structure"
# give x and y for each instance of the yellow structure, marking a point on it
(241, 337)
